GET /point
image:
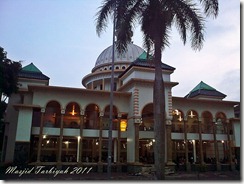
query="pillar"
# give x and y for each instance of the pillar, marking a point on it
(101, 114)
(137, 123)
(194, 151)
(232, 165)
(40, 136)
(216, 149)
(119, 138)
(61, 136)
(188, 166)
(82, 113)
(169, 143)
(115, 150)
(200, 143)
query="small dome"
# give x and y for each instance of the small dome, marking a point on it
(132, 53)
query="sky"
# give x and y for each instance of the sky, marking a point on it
(59, 37)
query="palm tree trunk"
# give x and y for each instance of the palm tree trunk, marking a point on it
(159, 115)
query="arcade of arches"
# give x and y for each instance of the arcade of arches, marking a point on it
(191, 137)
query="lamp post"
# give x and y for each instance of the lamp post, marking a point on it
(111, 101)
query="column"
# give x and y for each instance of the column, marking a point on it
(216, 149)
(61, 136)
(194, 151)
(100, 135)
(40, 136)
(188, 166)
(103, 83)
(200, 143)
(232, 165)
(82, 113)
(169, 143)
(119, 138)
(137, 122)
(78, 150)
(115, 150)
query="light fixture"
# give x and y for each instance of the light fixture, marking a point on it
(191, 114)
(123, 125)
(180, 118)
(176, 111)
(73, 111)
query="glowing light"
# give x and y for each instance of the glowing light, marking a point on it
(191, 114)
(73, 111)
(123, 125)
(180, 118)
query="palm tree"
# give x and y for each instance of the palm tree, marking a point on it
(156, 18)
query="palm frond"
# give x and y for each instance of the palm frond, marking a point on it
(102, 15)
(211, 7)
(126, 16)
(188, 18)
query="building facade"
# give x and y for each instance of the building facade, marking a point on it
(56, 125)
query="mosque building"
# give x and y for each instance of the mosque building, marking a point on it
(53, 125)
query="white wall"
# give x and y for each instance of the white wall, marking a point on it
(24, 125)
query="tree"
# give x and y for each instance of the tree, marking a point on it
(8, 75)
(8, 84)
(156, 18)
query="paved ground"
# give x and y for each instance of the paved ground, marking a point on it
(180, 176)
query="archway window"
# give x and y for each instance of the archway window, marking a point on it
(106, 118)
(177, 121)
(192, 121)
(91, 117)
(220, 123)
(72, 116)
(147, 118)
(52, 116)
(207, 122)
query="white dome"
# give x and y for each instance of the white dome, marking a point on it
(132, 53)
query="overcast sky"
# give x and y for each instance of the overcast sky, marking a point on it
(59, 37)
